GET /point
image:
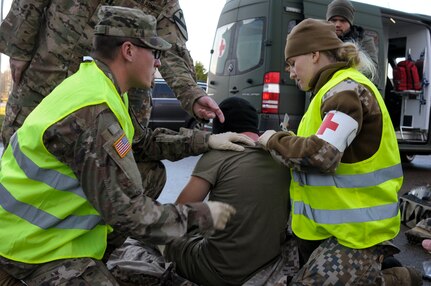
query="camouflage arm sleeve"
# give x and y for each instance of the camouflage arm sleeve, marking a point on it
(162, 144)
(20, 28)
(369, 47)
(86, 141)
(303, 153)
(177, 65)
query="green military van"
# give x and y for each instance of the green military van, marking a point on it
(247, 60)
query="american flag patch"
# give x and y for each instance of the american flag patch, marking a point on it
(122, 146)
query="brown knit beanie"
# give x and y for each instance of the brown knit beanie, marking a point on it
(311, 35)
(342, 8)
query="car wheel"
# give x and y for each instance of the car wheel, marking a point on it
(407, 158)
(194, 124)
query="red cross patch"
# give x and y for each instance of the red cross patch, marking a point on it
(221, 47)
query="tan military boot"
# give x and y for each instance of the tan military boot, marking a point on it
(406, 276)
(421, 231)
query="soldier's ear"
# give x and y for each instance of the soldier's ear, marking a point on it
(126, 51)
(315, 56)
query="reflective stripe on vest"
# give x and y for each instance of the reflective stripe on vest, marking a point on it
(347, 215)
(54, 179)
(349, 181)
(359, 203)
(50, 177)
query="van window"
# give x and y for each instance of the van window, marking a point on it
(240, 43)
(249, 46)
(222, 42)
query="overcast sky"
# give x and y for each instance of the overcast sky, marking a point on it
(202, 17)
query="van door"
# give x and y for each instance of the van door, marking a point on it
(411, 114)
(220, 69)
(237, 53)
(248, 61)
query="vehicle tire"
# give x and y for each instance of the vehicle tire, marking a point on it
(194, 124)
(407, 158)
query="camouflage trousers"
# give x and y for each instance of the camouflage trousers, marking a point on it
(135, 263)
(79, 272)
(14, 118)
(334, 264)
(329, 264)
(282, 270)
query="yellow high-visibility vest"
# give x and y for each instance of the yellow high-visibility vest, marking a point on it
(45, 214)
(359, 203)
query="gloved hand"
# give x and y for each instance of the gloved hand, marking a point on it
(263, 139)
(220, 213)
(224, 141)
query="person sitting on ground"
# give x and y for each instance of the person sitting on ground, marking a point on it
(256, 186)
(69, 176)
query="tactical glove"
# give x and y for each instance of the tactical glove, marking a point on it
(224, 141)
(220, 213)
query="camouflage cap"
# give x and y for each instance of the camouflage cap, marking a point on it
(127, 22)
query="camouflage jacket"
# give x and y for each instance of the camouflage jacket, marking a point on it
(311, 152)
(365, 42)
(54, 35)
(85, 141)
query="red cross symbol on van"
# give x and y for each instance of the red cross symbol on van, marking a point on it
(327, 124)
(221, 47)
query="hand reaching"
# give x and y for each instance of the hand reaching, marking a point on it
(206, 108)
(17, 68)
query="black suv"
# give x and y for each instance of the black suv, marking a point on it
(167, 111)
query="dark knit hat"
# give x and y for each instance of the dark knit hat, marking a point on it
(342, 8)
(311, 35)
(240, 116)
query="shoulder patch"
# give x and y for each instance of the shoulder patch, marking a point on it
(122, 146)
(181, 23)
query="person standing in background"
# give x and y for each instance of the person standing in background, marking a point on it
(342, 14)
(46, 41)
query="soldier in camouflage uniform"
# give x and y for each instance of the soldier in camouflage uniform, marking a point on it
(345, 173)
(46, 41)
(69, 174)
